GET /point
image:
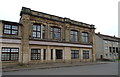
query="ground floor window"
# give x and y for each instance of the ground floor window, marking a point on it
(51, 54)
(58, 54)
(74, 54)
(35, 54)
(10, 54)
(85, 54)
(44, 54)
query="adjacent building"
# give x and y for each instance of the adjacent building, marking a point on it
(42, 38)
(107, 47)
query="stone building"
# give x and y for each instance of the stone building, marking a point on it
(107, 47)
(42, 38)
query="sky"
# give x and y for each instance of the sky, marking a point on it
(101, 13)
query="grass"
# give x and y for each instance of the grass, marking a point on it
(117, 60)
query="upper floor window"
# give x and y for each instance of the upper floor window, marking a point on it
(84, 37)
(73, 35)
(106, 47)
(106, 42)
(39, 31)
(10, 29)
(55, 33)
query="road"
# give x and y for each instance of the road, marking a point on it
(100, 69)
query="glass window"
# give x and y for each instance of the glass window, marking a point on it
(10, 54)
(39, 31)
(35, 54)
(84, 37)
(55, 33)
(106, 42)
(116, 49)
(10, 29)
(113, 49)
(14, 27)
(85, 54)
(73, 35)
(110, 49)
(7, 26)
(106, 48)
(36, 31)
(74, 54)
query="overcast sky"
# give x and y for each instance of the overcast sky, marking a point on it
(101, 13)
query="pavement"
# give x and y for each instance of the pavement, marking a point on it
(48, 66)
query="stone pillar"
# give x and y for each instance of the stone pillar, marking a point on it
(67, 53)
(80, 36)
(48, 32)
(48, 53)
(25, 38)
(54, 55)
(41, 54)
(93, 45)
(80, 54)
(67, 33)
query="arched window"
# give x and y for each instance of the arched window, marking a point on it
(55, 33)
(84, 37)
(73, 35)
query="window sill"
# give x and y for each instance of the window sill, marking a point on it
(11, 36)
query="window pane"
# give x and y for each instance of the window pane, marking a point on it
(38, 34)
(5, 50)
(6, 31)
(14, 50)
(51, 35)
(38, 28)
(34, 27)
(15, 27)
(14, 32)
(34, 34)
(7, 26)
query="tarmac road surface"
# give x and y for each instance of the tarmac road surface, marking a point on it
(101, 69)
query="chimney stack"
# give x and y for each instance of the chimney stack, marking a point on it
(98, 32)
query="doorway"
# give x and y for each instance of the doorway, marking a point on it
(101, 56)
(59, 54)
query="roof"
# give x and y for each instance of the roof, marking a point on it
(108, 37)
(10, 22)
(53, 17)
